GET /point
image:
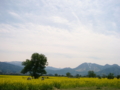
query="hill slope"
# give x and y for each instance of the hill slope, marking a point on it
(81, 69)
(112, 69)
(9, 68)
(85, 67)
(18, 63)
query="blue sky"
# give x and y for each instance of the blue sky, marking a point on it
(68, 32)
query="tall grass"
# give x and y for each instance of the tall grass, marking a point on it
(8, 82)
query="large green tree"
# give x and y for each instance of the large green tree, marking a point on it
(36, 65)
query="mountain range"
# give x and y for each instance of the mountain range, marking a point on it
(82, 69)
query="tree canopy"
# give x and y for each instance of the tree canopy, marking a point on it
(68, 74)
(110, 76)
(36, 65)
(91, 74)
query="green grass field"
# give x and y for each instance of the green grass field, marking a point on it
(11, 82)
(91, 88)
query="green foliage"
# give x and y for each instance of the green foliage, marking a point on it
(57, 85)
(21, 86)
(91, 74)
(99, 76)
(110, 76)
(35, 66)
(68, 74)
(77, 76)
(118, 76)
(56, 74)
(98, 88)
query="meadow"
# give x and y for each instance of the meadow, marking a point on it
(14, 82)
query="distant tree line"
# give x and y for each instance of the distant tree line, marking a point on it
(91, 74)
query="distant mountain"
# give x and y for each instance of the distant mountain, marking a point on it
(16, 67)
(85, 67)
(52, 68)
(99, 69)
(112, 69)
(106, 66)
(9, 68)
(18, 63)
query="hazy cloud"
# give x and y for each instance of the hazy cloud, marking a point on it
(64, 30)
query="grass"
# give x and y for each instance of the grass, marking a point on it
(12, 82)
(91, 88)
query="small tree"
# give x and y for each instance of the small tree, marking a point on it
(56, 74)
(118, 76)
(68, 74)
(99, 76)
(36, 65)
(77, 75)
(110, 76)
(91, 74)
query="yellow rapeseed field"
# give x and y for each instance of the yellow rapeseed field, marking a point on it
(12, 82)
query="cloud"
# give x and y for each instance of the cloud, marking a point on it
(65, 30)
(54, 36)
(14, 14)
(58, 19)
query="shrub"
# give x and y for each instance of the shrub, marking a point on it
(110, 76)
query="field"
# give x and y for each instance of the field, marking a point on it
(11, 82)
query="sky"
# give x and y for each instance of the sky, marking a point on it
(67, 32)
